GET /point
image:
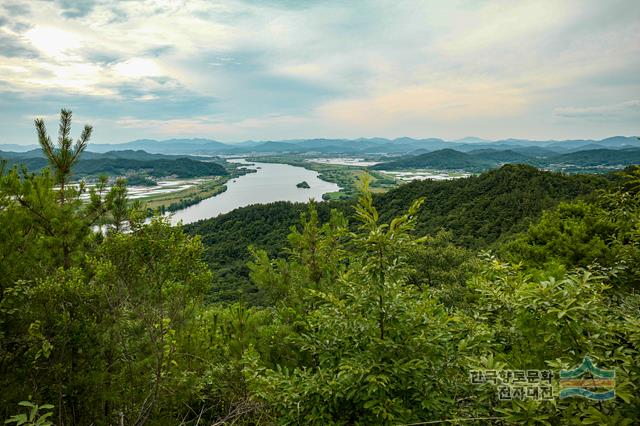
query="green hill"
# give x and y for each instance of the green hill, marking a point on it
(479, 210)
(500, 156)
(180, 167)
(447, 159)
(442, 159)
(483, 159)
(600, 157)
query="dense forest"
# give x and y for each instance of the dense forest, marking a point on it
(371, 311)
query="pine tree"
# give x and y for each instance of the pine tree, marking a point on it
(63, 157)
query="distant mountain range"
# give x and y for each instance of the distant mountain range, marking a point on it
(362, 146)
(469, 154)
(127, 154)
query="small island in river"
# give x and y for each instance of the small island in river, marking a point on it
(303, 184)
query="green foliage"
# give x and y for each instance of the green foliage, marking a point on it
(90, 319)
(529, 323)
(574, 234)
(33, 417)
(227, 239)
(443, 268)
(579, 234)
(151, 281)
(632, 179)
(362, 330)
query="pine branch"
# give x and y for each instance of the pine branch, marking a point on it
(65, 129)
(44, 221)
(45, 142)
(82, 142)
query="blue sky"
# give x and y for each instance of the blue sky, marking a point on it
(240, 70)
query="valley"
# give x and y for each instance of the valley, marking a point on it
(181, 174)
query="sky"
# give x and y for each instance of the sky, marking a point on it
(290, 69)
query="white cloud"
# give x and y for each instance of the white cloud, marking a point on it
(620, 110)
(55, 43)
(138, 68)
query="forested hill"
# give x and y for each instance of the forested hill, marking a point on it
(501, 156)
(179, 167)
(441, 159)
(483, 159)
(601, 157)
(477, 210)
(227, 239)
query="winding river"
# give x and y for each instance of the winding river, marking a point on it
(271, 182)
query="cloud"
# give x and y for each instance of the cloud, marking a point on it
(76, 8)
(15, 9)
(618, 111)
(215, 128)
(15, 47)
(409, 110)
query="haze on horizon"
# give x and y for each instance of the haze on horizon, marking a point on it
(250, 69)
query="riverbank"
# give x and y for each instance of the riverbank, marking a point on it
(181, 199)
(174, 201)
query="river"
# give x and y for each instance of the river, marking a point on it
(271, 182)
